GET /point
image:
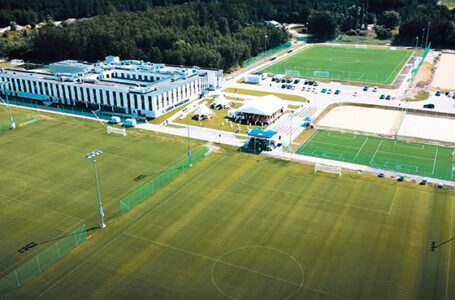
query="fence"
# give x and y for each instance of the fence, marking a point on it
(266, 54)
(150, 188)
(41, 262)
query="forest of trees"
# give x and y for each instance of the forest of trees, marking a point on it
(219, 34)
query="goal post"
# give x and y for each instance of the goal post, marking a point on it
(327, 169)
(292, 72)
(321, 74)
(111, 129)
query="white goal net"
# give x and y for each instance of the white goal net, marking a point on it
(292, 72)
(327, 169)
(111, 129)
(321, 74)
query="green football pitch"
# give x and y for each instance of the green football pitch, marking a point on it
(395, 155)
(235, 226)
(379, 66)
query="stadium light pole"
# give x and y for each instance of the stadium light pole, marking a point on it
(92, 155)
(189, 140)
(417, 41)
(265, 41)
(5, 84)
(428, 31)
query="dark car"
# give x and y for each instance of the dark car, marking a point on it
(296, 81)
(289, 80)
(438, 93)
(337, 92)
(274, 78)
(382, 96)
(388, 97)
(323, 90)
(283, 86)
(453, 97)
(283, 80)
(290, 86)
(311, 82)
(365, 88)
(429, 105)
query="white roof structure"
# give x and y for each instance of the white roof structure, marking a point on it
(221, 100)
(264, 106)
(203, 110)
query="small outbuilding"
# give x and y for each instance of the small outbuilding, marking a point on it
(264, 110)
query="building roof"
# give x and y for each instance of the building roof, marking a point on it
(265, 106)
(203, 110)
(267, 134)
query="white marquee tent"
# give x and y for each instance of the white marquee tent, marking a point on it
(203, 112)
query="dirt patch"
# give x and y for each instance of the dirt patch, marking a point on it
(46, 117)
(443, 76)
(425, 74)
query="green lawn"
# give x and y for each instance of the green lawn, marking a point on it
(412, 158)
(234, 226)
(379, 66)
(47, 187)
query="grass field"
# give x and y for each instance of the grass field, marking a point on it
(47, 187)
(380, 66)
(234, 226)
(412, 158)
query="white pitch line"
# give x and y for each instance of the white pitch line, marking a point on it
(435, 158)
(361, 149)
(377, 149)
(393, 201)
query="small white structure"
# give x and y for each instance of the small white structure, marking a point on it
(203, 113)
(130, 122)
(17, 61)
(252, 79)
(111, 129)
(114, 120)
(220, 103)
(262, 110)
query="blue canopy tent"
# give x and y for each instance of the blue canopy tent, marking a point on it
(261, 140)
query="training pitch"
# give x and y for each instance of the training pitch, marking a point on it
(235, 226)
(395, 155)
(377, 66)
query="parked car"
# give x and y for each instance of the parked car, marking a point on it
(289, 80)
(438, 93)
(382, 97)
(365, 88)
(429, 105)
(355, 94)
(311, 82)
(296, 81)
(315, 83)
(273, 79)
(283, 80)
(337, 92)
(329, 91)
(306, 82)
(290, 86)
(323, 90)
(453, 97)
(375, 89)
(388, 97)
(283, 86)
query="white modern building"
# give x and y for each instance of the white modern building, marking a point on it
(129, 87)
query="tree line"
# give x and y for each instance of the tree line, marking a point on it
(219, 34)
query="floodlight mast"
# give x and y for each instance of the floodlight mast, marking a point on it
(189, 140)
(92, 155)
(5, 85)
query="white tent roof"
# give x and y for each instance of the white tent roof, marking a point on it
(221, 100)
(203, 110)
(266, 106)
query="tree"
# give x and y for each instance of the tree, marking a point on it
(382, 33)
(13, 26)
(322, 25)
(389, 19)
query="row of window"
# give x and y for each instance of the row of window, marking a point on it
(69, 94)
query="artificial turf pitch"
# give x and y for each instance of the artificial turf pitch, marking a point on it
(234, 226)
(377, 66)
(395, 155)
